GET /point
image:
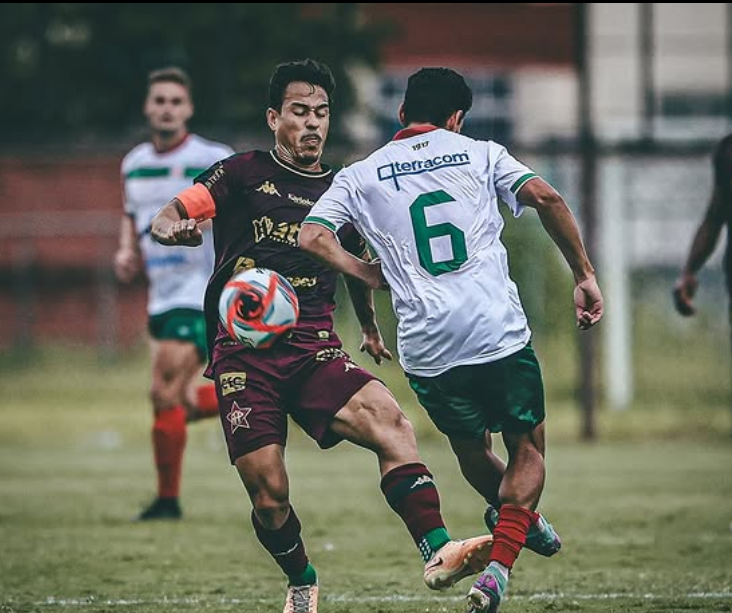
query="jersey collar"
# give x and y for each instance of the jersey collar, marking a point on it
(414, 131)
(324, 172)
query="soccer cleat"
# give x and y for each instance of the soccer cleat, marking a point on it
(541, 538)
(161, 508)
(487, 591)
(301, 599)
(456, 560)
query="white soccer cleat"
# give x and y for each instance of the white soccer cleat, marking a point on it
(457, 560)
(301, 599)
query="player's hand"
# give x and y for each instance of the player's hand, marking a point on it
(684, 292)
(127, 263)
(183, 232)
(588, 304)
(373, 344)
(374, 276)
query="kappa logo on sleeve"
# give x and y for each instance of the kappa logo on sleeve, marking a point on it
(231, 382)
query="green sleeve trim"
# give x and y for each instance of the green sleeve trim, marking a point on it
(521, 180)
(321, 221)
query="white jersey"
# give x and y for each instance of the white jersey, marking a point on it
(428, 204)
(177, 275)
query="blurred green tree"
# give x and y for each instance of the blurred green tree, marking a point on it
(79, 68)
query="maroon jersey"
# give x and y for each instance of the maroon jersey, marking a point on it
(261, 202)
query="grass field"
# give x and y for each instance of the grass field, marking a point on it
(644, 512)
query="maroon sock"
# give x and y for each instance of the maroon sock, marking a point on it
(285, 544)
(510, 533)
(411, 492)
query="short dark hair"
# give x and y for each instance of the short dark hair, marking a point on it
(433, 94)
(307, 71)
(170, 74)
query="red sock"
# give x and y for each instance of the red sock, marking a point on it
(411, 492)
(510, 533)
(206, 400)
(169, 441)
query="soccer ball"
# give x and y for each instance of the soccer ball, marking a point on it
(256, 306)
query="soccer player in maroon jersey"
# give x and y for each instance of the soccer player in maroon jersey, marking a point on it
(258, 200)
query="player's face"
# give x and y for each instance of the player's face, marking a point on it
(168, 108)
(301, 128)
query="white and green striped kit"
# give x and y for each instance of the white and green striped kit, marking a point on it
(428, 204)
(177, 275)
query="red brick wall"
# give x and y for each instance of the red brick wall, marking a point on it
(497, 34)
(59, 218)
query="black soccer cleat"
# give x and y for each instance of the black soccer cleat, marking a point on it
(161, 508)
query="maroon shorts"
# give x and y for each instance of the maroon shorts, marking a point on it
(307, 376)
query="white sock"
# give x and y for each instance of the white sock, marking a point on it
(504, 570)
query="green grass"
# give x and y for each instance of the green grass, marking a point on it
(644, 512)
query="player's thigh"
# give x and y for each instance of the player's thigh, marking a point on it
(250, 404)
(322, 390)
(372, 418)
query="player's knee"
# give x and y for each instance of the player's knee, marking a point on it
(387, 414)
(162, 397)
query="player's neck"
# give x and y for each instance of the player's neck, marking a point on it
(285, 156)
(165, 142)
(414, 129)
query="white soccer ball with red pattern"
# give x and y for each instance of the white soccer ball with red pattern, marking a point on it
(257, 306)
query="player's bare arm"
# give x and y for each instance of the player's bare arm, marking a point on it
(322, 244)
(560, 224)
(171, 226)
(703, 245)
(362, 298)
(128, 258)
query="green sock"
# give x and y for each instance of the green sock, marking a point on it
(432, 541)
(308, 577)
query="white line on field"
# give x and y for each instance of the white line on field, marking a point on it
(52, 601)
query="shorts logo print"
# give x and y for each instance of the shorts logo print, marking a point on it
(231, 382)
(238, 417)
(326, 355)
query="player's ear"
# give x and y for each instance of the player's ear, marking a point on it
(455, 121)
(271, 118)
(401, 114)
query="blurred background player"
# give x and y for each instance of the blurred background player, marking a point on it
(152, 173)
(718, 216)
(428, 204)
(258, 199)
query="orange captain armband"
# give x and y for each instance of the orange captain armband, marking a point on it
(198, 202)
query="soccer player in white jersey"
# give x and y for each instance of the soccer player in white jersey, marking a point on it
(428, 203)
(152, 173)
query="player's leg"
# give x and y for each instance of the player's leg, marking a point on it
(521, 489)
(173, 364)
(200, 398)
(372, 418)
(256, 441)
(483, 470)
(361, 409)
(200, 395)
(276, 524)
(518, 411)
